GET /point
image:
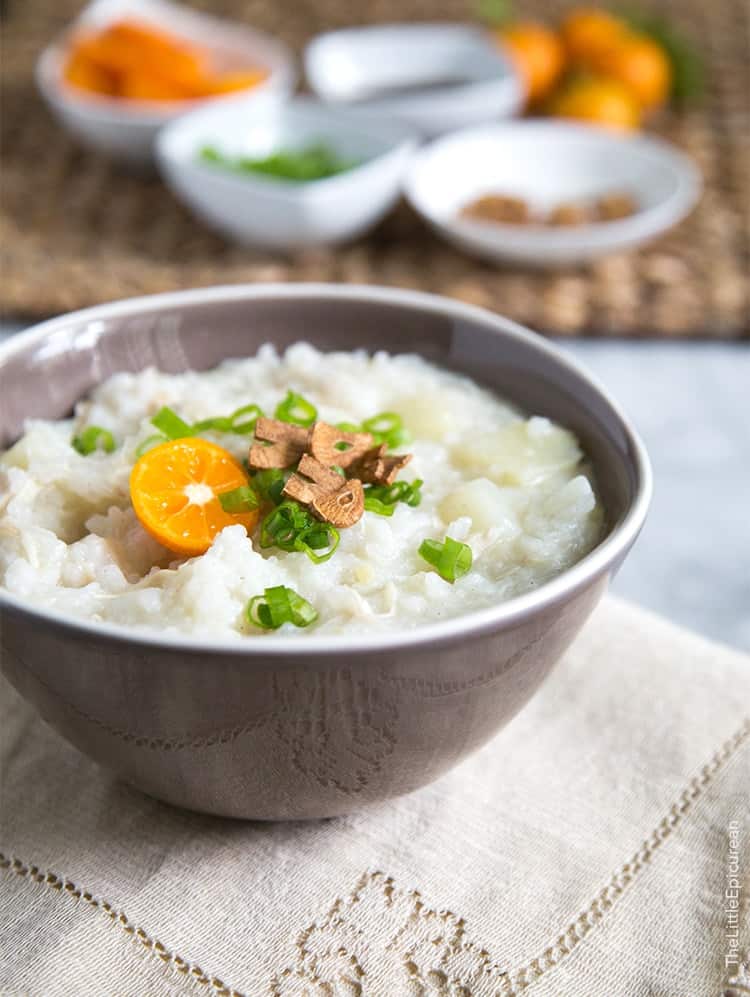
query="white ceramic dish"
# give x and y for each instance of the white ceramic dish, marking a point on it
(448, 75)
(125, 129)
(547, 163)
(279, 214)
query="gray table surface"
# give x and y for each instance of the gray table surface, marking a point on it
(691, 403)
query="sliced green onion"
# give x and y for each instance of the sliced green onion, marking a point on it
(413, 493)
(451, 559)
(383, 498)
(254, 412)
(282, 526)
(258, 612)
(292, 528)
(269, 483)
(174, 428)
(321, 536)
(150, 441)
(231, 423)
(387, 427)
(384, 422)
(400, 491)
(296, 409)
(279, 605)
(219, 424)
(171, 425)
(303, 613)
(241, 499)
(376, 505)
(316, 535)
(93, 438)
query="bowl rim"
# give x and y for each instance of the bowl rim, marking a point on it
(469, 625)
(498, 237)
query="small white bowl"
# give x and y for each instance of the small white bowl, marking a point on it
(281, 214)
(547, 163)
(449, 75)
(125, 129)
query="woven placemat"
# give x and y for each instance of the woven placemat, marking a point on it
(76, 231)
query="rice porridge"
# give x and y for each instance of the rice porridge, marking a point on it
(215, 504)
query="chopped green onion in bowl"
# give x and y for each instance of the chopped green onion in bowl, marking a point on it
(451, 559)
(93, 438)
(315, 161)
(279, 605)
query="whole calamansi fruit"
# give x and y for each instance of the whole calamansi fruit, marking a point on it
(537, 53)
(598, 99)
(588, 31)
(641, 64)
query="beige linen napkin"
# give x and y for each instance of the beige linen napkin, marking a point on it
(598, 847)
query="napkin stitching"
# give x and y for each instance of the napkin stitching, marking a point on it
(333, 926)
(624, 876)
(445, 929)
(121, 920)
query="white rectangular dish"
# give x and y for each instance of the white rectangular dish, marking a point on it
(432, 77)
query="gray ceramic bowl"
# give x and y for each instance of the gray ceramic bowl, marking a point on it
(283, 728)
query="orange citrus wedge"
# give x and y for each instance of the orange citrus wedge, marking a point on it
(175, 487)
